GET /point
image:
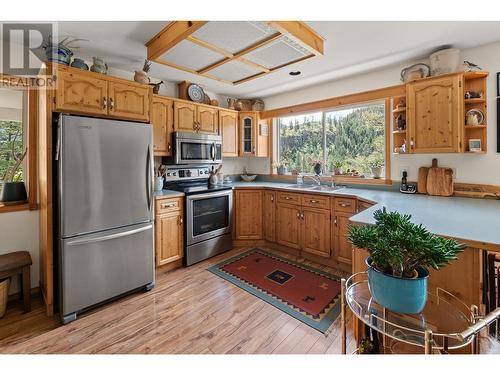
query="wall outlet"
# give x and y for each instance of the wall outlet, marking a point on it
(454, 173)
(404, 169)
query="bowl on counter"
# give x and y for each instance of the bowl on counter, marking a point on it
(248, 177)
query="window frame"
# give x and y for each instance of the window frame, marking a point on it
(31, 175)
(386, 180)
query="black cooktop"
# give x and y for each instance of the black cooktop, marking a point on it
(190, 188)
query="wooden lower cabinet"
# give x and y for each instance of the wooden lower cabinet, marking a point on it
(169, 231)
(316, 231)
(269, 209)
(341, 245)
(288, 225)
(248, 214)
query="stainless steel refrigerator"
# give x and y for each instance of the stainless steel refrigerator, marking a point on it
(105, 211)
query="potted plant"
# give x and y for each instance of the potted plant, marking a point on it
(399, 252)
(337, 167)
(376, 163)
(14, 190)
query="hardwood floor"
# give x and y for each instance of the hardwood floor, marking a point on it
(189, 311)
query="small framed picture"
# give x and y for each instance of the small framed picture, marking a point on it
(475, 145)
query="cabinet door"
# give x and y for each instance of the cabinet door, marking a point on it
(247, 133)
(342, 246)
(434, 118)
(208, 120)
(162, 121)
(81, 93)
(228, 122)
(248, 213)
(288, 225)
(269, 215)
(169, 238)
(128, 101)
(316, 231)
(262, 131)
(184, 117)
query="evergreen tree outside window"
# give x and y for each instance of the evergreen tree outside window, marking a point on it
(12, 132)
(345, 138)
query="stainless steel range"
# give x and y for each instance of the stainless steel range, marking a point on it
(207, 214)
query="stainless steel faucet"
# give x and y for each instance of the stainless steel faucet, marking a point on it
(315, 178)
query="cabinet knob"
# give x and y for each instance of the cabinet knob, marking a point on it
(287, 197)
(298, 214)
(181, 220)
(169, 147)
(313, 201)
(104, 102)
(111, 104)
(272, 198)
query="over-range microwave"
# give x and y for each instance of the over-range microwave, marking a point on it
(193, 148)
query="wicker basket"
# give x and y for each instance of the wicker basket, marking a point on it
(4, 294)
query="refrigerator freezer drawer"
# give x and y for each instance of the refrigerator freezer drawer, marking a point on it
(103, 265)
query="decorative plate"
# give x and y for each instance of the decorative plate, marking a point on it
(196, 93)
(475, 112)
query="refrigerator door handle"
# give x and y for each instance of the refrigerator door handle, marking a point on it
(58, 140)
(110, 236)
(148, 177)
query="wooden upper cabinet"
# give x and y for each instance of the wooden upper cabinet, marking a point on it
(316, 231)
(248, 214)
(228, 122)
(128, 101)
(208, 119)
(262, 138)
(162, 121)
(248, 125)
(184, 116)
(435, 114)
(269, 208)
(81, 93)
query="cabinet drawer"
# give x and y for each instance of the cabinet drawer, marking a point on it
(362, 205)
(285, 197)
(318, 201)
(168, 205)
(344, 205)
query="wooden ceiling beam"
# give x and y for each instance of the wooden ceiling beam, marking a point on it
(238, 55)
(192, 71)
(170, 35)
(302, 34)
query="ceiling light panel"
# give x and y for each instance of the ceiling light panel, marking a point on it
(234, 36)
(234, 71)
(191, 55)
(281, 51)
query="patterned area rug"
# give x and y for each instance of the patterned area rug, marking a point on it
(306, 293)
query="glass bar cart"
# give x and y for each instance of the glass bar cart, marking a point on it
(446, 323)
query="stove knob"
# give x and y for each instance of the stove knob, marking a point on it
(174, 174)
(188, 173)
(168, 174)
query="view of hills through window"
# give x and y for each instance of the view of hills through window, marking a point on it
(348, 138)
(11, 134)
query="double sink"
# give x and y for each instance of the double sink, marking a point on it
(315, 187)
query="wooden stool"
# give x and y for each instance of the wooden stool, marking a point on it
(18, 263)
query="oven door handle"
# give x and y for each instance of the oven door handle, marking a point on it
(222, 193)
(212, 151)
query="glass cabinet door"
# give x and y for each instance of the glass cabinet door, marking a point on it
(247, 135)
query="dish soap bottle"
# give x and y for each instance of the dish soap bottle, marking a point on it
(404, 181)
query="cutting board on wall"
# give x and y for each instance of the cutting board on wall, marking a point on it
(439, 180)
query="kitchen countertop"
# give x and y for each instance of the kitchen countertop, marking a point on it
(472, 220)
(167, 194)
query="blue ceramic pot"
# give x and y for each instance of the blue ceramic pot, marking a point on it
(13, 192)
(79, 64)
(58, 53)
(407, 296)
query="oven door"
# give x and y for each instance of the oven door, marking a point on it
(208, 215)
(198, 150)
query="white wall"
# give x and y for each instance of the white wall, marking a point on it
(19, 231)
(253, 165)
(481, 168)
